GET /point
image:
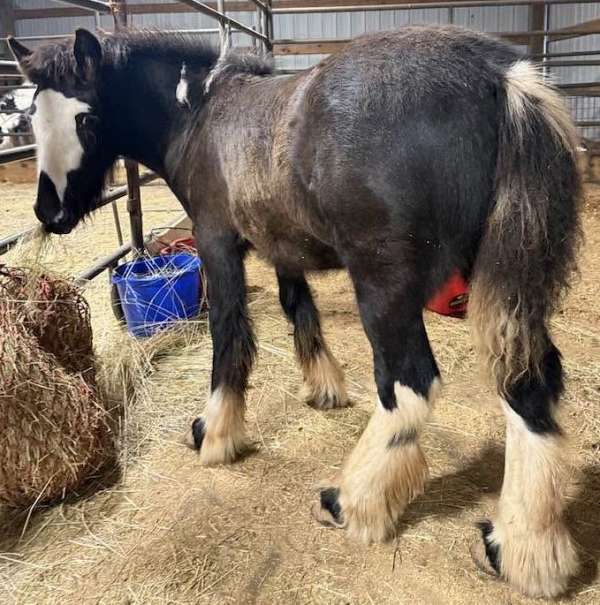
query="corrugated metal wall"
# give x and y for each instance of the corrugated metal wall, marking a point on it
(348, 25)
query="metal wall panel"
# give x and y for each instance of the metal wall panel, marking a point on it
(35, 4)
(348, 25)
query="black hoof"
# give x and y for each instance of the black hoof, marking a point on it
(328, 510)
(198, 432)
(492, 550)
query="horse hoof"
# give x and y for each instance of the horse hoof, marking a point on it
(539, 564)
(327, 511)
(481, 560)
(194, 436)
(326, 401)
(214, 447)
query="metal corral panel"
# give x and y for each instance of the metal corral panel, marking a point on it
(584, 108)
(348, 25)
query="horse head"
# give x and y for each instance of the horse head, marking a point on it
(69, 128)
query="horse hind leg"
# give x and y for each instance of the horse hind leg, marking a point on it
(387, 468)
(527, 542)
(324, 385)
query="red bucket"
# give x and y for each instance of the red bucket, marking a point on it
(451, 299)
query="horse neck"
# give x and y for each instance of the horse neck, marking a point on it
(143, 112)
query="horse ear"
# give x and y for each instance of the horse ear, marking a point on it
(88, 54)
(20, 51)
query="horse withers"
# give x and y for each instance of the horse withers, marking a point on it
(404, 157)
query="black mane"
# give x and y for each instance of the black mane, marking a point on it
(55, 61)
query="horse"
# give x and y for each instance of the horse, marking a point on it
(405, 157)
(15, 128)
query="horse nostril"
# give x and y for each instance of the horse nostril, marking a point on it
(48, 207)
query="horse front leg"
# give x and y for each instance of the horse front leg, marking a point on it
(387, 468)
(220, 433)
(324, 386)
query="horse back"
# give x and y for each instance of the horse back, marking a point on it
(389, 145)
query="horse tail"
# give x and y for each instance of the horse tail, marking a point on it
(530, 241)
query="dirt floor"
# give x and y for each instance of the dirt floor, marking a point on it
(171, 531)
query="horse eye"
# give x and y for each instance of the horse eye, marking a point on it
(85, 128)
(89, 121)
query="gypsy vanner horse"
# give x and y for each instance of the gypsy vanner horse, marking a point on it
(402, 158)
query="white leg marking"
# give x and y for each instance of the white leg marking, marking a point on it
(225, 431)
(537, 555)
(386, 469)
(324, 385)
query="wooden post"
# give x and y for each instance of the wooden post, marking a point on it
(119, 13)
(134, 206)
(537, 18)
(269, 25)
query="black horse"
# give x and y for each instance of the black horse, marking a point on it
(403, 157)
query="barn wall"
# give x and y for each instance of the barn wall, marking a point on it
(348, 25)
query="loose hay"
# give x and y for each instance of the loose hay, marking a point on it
(55, 427)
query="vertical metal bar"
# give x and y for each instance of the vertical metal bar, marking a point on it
(258, 27)
(545, 41)
(134, 206)
(115, 210)
(269, 32)
(134, 200)
(221, 9)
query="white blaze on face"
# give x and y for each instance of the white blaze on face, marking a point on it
(58, 147)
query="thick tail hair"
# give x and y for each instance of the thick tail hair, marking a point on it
(528, 250)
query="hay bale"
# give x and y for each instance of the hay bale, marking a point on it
(56, 313)
(55, 429)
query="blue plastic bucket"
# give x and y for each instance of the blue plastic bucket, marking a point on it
(158, 291)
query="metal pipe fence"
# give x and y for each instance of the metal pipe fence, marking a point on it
(111, 195)
(224, 20)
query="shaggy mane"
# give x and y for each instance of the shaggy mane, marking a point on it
(55, 61)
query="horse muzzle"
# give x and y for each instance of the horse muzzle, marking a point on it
(58, 228)
(49, 209)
